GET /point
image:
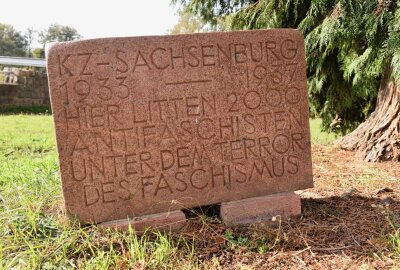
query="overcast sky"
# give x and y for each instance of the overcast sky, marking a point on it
(92, 18)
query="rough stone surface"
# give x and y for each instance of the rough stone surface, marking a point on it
(168, 221)
(154, 124)
(260, 209)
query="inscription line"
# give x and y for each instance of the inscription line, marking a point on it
(188, 82)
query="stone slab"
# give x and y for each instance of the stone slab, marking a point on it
(261, 209)
(153, 124)
(168, 221)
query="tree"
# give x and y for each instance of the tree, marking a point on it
(29, 37)
(58, 33)
(189, 23)
(353, 61)
(12, 42)
(38, 53)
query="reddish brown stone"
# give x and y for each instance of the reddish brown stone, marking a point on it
(168, 221)
(148, 125)
(260, 209)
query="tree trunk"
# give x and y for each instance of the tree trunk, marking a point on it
(378, 138)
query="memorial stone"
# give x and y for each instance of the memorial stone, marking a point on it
(148, 125)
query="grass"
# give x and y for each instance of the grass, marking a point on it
(34, 233)
(318, 136)
(32, 109)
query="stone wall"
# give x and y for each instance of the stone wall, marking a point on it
(32, 89)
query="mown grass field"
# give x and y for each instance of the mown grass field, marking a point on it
(34, 233)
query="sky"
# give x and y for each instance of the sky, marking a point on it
(92, 18)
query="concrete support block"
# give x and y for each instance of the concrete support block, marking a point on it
(261, 209)
(168, 221)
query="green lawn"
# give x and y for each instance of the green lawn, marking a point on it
(318, 136)
(34, 232)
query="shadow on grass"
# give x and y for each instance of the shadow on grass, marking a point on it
(33, 109)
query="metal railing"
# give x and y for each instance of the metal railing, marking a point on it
(22, 61)
(8, 76)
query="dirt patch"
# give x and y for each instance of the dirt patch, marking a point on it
(349, 221)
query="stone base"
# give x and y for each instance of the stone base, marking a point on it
(168, 221)
(260, 209)
(246, 211)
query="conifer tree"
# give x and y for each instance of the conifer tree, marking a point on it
(353, 61)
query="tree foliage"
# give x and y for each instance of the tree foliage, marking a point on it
(58, 33)
(15, 43)
(29, 36)
(349, 44)
(12, 42)
(190, 23)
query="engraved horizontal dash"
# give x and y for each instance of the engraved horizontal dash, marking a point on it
(188, 82)
(103, 63)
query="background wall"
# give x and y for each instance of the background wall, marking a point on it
(32, 89)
